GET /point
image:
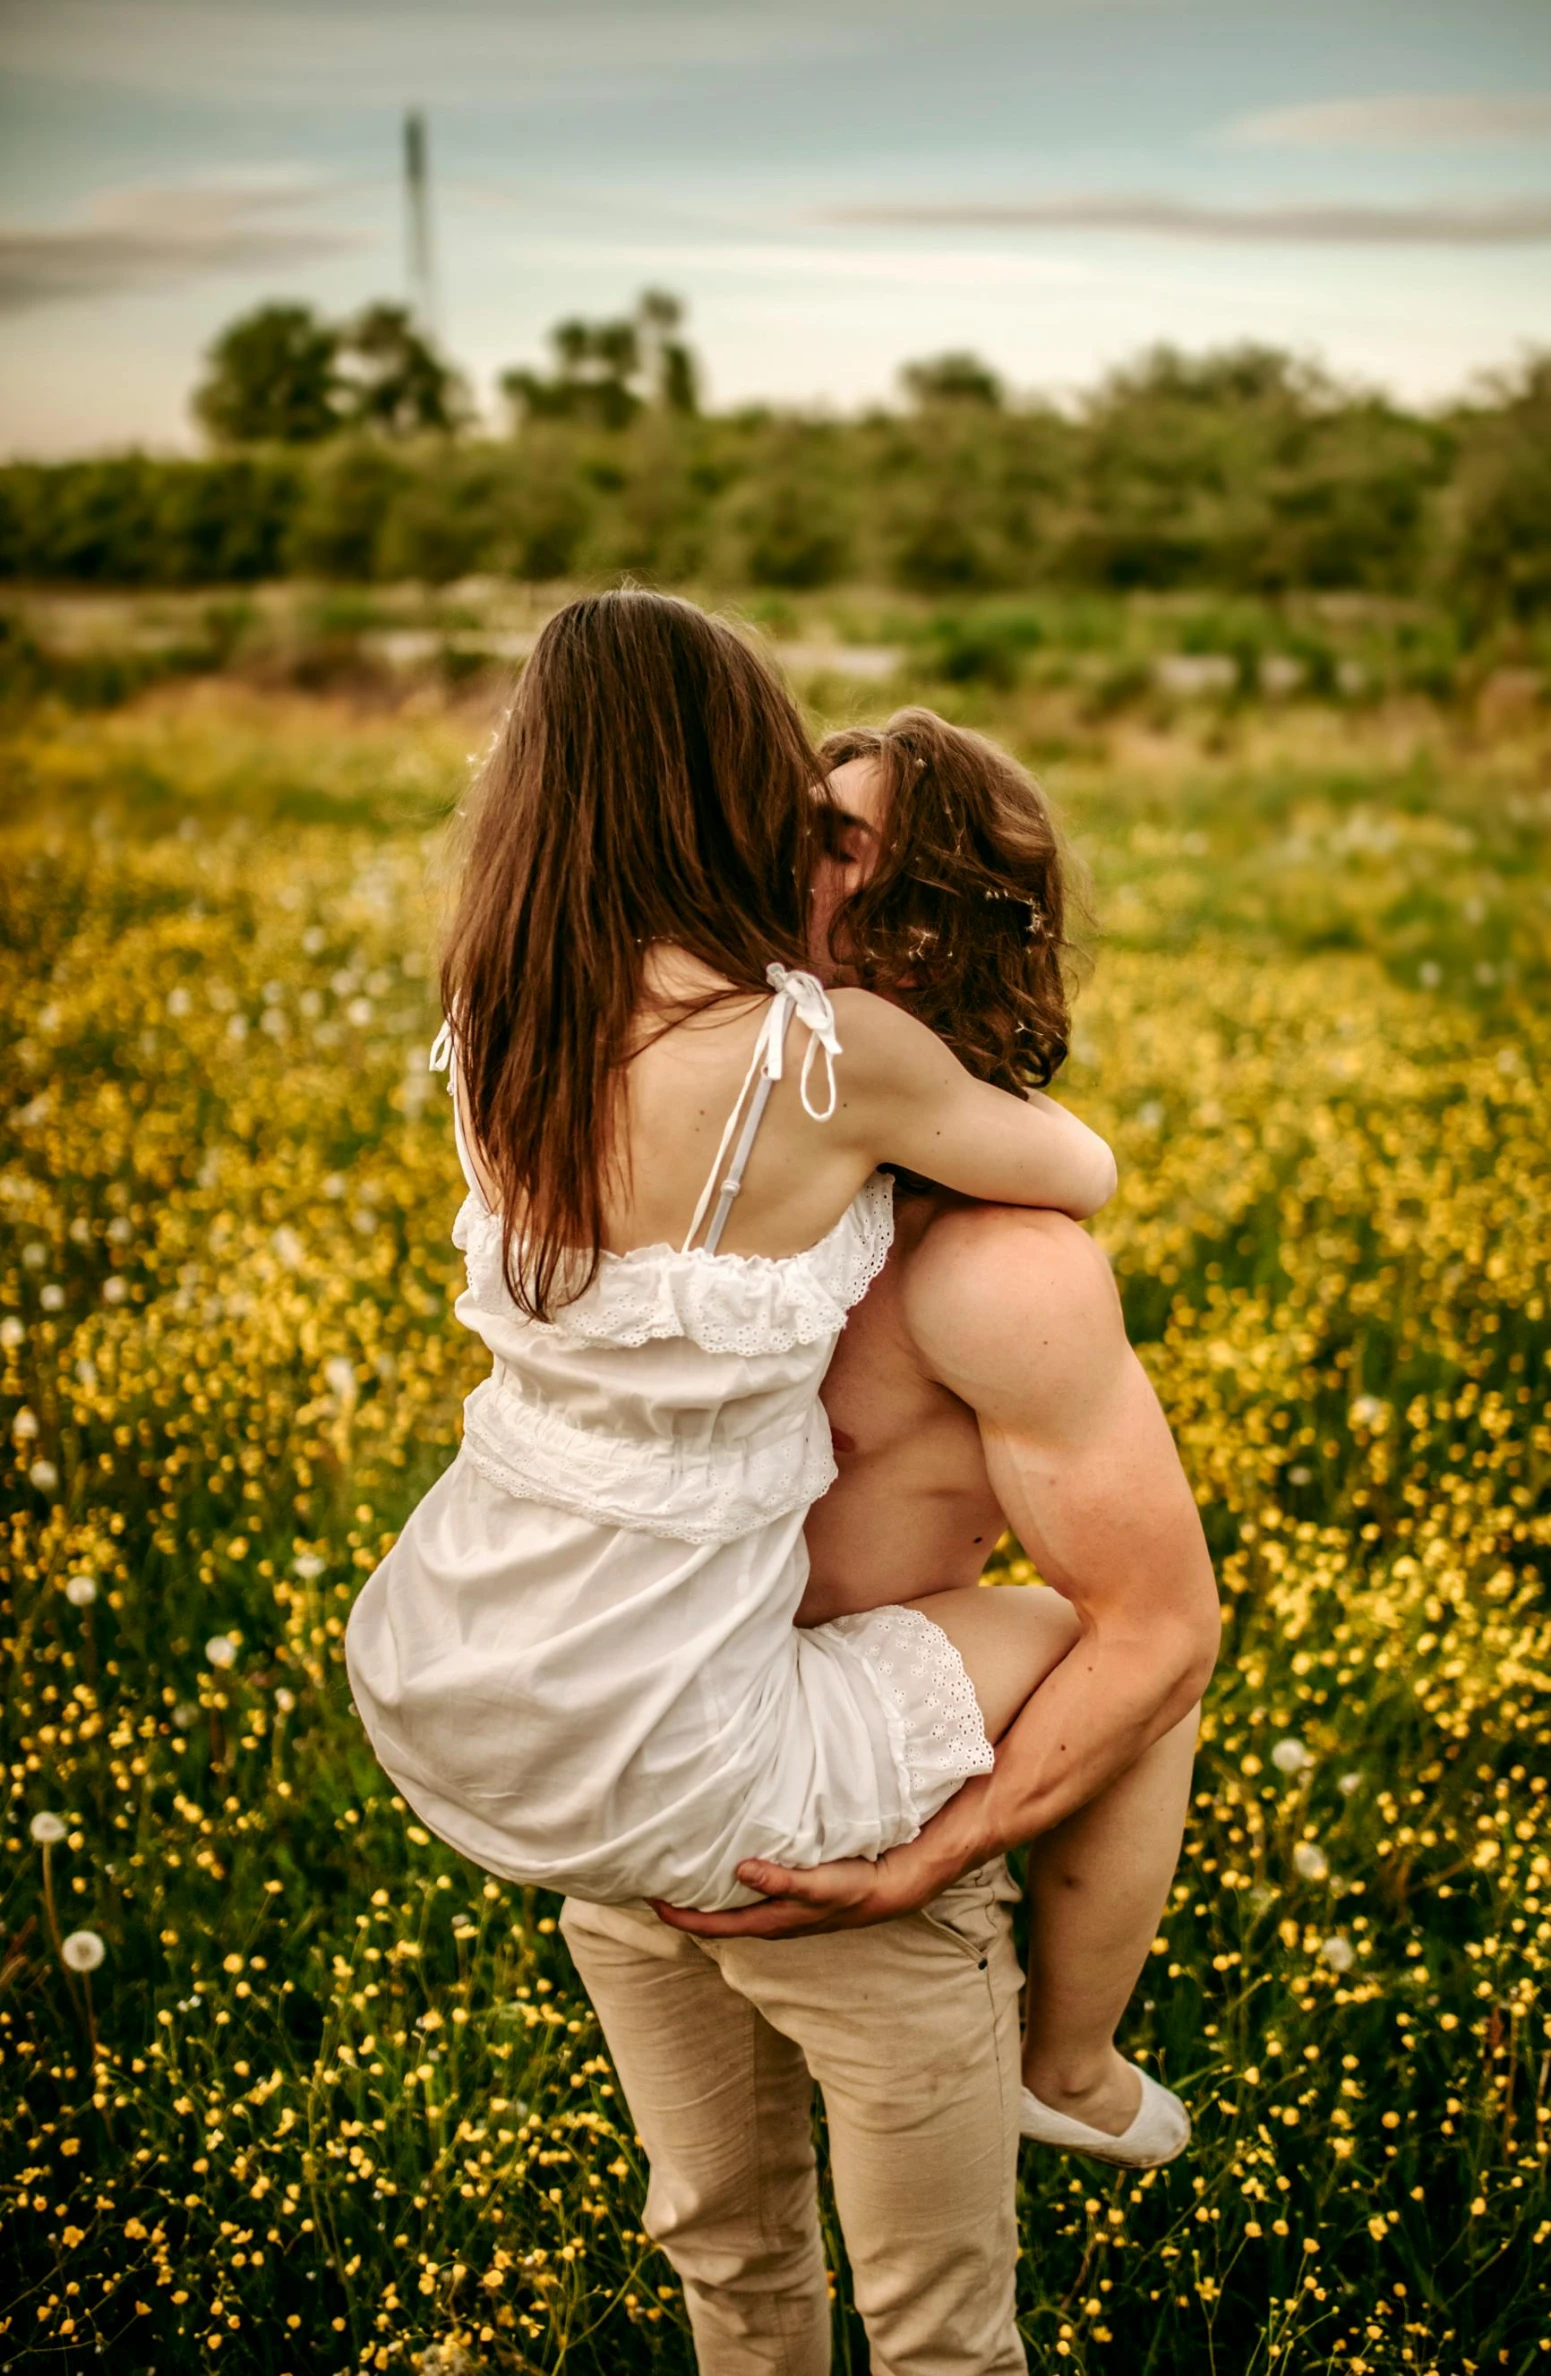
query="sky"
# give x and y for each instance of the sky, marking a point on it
(832, 186)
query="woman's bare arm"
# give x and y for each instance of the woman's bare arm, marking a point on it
(910, 1101)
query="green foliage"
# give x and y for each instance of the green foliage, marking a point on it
(953, 379)
(281, 376)
(273, 377)
(1500, 552)
(1245, 472)
(605, 372)
(399, 384)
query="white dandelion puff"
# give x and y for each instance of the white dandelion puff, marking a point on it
(288, 1246)
(308, 1565)
(1290, 1757)
(1338, 1952)
(24, 1426)
(83, 1951)
(13, 1333)
(285, 1700)
(44, 1475)
(81, 1591)
(46, 1829)
(221, 1650)
(1311, 1861)
(1348, 1783)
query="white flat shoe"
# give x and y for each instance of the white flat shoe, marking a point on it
(1160, 2130)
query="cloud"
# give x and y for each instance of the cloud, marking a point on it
(1428, 223)
(808, 264)
(341, 53)
(142, 238)
(1414, 119)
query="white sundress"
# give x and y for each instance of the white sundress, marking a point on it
(578, 1662)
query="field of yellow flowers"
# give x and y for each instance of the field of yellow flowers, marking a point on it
(286, 2088)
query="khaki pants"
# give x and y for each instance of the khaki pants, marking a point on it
(911, 2031)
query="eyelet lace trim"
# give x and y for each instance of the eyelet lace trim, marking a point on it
(936, 1729)
(725, 1303)
(536, 1453)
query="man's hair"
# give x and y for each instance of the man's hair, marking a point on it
(968, 916)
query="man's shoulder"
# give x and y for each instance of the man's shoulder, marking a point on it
(982, 1285)
(965, 1245)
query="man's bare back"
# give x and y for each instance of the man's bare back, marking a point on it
(913, 1510)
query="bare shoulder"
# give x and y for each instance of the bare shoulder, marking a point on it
(997, 1291)
(883, 1040)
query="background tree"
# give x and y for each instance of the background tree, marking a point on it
(396, 382)
(1498, 551)
(272, 376)
(956, 378)
(606, 372)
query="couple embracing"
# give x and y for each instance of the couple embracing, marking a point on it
(773, 1238)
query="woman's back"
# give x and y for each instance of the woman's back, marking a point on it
(672, 1102)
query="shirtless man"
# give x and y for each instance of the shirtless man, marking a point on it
(984, 1380)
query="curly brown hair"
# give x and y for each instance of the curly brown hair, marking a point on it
(969, 916)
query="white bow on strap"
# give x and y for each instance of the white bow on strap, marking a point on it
(810, 1004)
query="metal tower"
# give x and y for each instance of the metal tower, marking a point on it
(417, 215)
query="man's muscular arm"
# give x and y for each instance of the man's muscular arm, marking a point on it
(1016, 1312)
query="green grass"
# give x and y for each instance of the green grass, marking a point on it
(332, 2097)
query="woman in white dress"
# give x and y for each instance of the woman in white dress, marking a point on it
(578, 1662)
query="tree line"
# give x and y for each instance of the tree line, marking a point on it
(350, 453)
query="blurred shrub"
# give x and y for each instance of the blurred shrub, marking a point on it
(982, 646)
(1245, 472)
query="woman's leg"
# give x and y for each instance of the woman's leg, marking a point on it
(1097, 1883)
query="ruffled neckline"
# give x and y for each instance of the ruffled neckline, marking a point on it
(722, 1301)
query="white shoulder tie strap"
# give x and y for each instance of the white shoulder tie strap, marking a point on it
(796, 993)
(443, 1053)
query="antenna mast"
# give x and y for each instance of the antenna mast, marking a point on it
(417, 202)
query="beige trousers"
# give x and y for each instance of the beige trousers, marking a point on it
(910, 2029)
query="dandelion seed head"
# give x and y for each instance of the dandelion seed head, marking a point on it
(221, 1650)
(81, 1591)
(1290, 1757)
(46, 1829)
(1310, 1861)
(83, 1951)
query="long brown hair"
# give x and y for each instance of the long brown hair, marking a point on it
(652, 783)
(968, 913)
